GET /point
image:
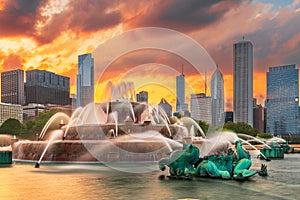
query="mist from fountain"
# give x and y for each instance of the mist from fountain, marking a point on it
(187, 121)
(217, 143)
(5, 140)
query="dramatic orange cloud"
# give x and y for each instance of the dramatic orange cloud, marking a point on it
(49, 35)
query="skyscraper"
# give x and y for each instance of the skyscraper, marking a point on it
(201, 107)
(217, 95)
(142, 96)
(85, 80)
(44, 87)
(258, 117)
(166, 106)
(282, 101)
(180, 93)
(12, 87)
(243, 82)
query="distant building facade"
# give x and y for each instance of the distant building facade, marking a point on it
(10, 111)
(217, 96)
(243, 82)
(201, 107)
(166, 106)
(142, 96)
(258, 117)
(282, 101)
(228, 116)
(85, 80)
(31, 111)
(44, 87)
(12, 87)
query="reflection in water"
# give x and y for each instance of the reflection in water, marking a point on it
(94, 181)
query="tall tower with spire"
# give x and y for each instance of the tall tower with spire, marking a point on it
(180, 92)
(217, 95)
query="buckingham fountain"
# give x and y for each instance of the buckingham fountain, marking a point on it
(126, 131)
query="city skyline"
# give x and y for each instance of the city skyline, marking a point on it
(38, 35)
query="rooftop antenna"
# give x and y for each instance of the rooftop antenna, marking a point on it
(205, 83)
(182, 69)
(243, 38)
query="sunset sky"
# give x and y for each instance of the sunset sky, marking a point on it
(49, 34)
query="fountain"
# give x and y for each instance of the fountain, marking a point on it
(102, 132)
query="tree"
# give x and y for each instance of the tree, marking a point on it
(204, 126)
(264, 135)
(240, 127)
(12, 126)
(32, 127)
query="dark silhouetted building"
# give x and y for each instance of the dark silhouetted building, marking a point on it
(258, 117)
(142, 96)
(228, 116)
(44, 87)
(166, 106)
(12, 87)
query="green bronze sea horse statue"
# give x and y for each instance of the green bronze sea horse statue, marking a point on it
(186, 163)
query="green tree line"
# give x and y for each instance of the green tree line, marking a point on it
(30, 128)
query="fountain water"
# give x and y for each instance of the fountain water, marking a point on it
(72, 120)
(253, 138)
(54, 135)
(217, 143)
(187, 121)
(115, 118)
(244, 141)
(57, 116)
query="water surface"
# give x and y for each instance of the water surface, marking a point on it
(95, 181)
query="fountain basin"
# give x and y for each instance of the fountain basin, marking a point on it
(5, 155)
(92, 150)
(273, 153)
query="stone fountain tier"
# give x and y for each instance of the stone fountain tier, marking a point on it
(98, 150)
(103, 131)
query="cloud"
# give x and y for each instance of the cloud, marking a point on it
(180, 15)
(18, 17)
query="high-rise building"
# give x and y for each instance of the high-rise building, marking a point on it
(12, 87)
(10, 111)
(201, 107)
(166, 106)
(243, 82)
(217, 95)
(258, 117)
(180, 93)
(44, 87)
(85, 80)
(142, 96)
(282, 101)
